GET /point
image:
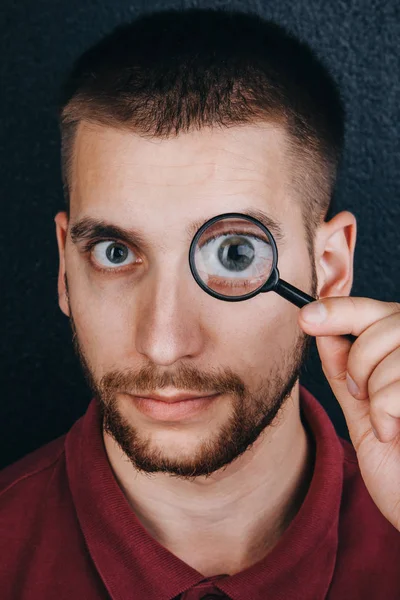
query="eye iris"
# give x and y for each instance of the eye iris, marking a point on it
(116, 254)
(236, 253)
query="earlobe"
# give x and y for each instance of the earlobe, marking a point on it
(335, 264)
(61, 221)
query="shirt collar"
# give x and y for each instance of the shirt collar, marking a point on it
(128, 559)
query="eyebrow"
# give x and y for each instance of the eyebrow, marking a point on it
(90, 228)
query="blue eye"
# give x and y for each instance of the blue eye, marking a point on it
(109, 254)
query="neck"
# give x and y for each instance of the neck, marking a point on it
(232, 519)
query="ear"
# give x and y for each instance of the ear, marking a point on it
(61, 221)
(335, 244)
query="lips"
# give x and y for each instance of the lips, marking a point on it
(173, 408)
(175, 398)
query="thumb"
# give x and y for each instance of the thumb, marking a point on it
(334, 351)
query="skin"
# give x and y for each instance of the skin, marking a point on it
(218, 489)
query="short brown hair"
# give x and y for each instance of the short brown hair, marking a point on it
(179, 70)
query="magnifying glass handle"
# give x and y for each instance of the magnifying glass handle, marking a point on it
(300, 299)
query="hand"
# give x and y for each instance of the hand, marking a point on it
(373, 363)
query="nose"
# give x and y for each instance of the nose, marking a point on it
(168, 319)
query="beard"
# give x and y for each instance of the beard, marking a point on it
(252, 410)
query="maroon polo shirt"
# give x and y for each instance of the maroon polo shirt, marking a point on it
(68, 532)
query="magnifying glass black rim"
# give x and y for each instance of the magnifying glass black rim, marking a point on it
(263, 288)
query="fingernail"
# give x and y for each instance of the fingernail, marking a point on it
(315, 312)
(352, 386)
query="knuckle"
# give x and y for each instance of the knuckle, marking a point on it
(340, 376)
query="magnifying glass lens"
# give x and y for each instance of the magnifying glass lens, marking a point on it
(233, 257)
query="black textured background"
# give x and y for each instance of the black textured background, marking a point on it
(43, 391)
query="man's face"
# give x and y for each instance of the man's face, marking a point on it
(146, 327)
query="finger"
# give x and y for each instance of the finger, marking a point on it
(345, 314)
(375, 343)
(385, 411)
(386, 372)
(333, 351)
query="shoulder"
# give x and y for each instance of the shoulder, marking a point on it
(38, 523)
(22, 479)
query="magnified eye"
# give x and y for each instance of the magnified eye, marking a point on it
(110, 253)
(237, 255)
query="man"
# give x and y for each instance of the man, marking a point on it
(202, 469)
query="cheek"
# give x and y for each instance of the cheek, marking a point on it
(256, 329)
(103, 317)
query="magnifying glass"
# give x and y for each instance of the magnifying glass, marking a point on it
(234, 257)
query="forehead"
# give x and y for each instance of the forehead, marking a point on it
(200, 172)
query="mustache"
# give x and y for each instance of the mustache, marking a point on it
(148, 379)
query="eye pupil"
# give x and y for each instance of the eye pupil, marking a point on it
(236, 253)
(116, 254)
